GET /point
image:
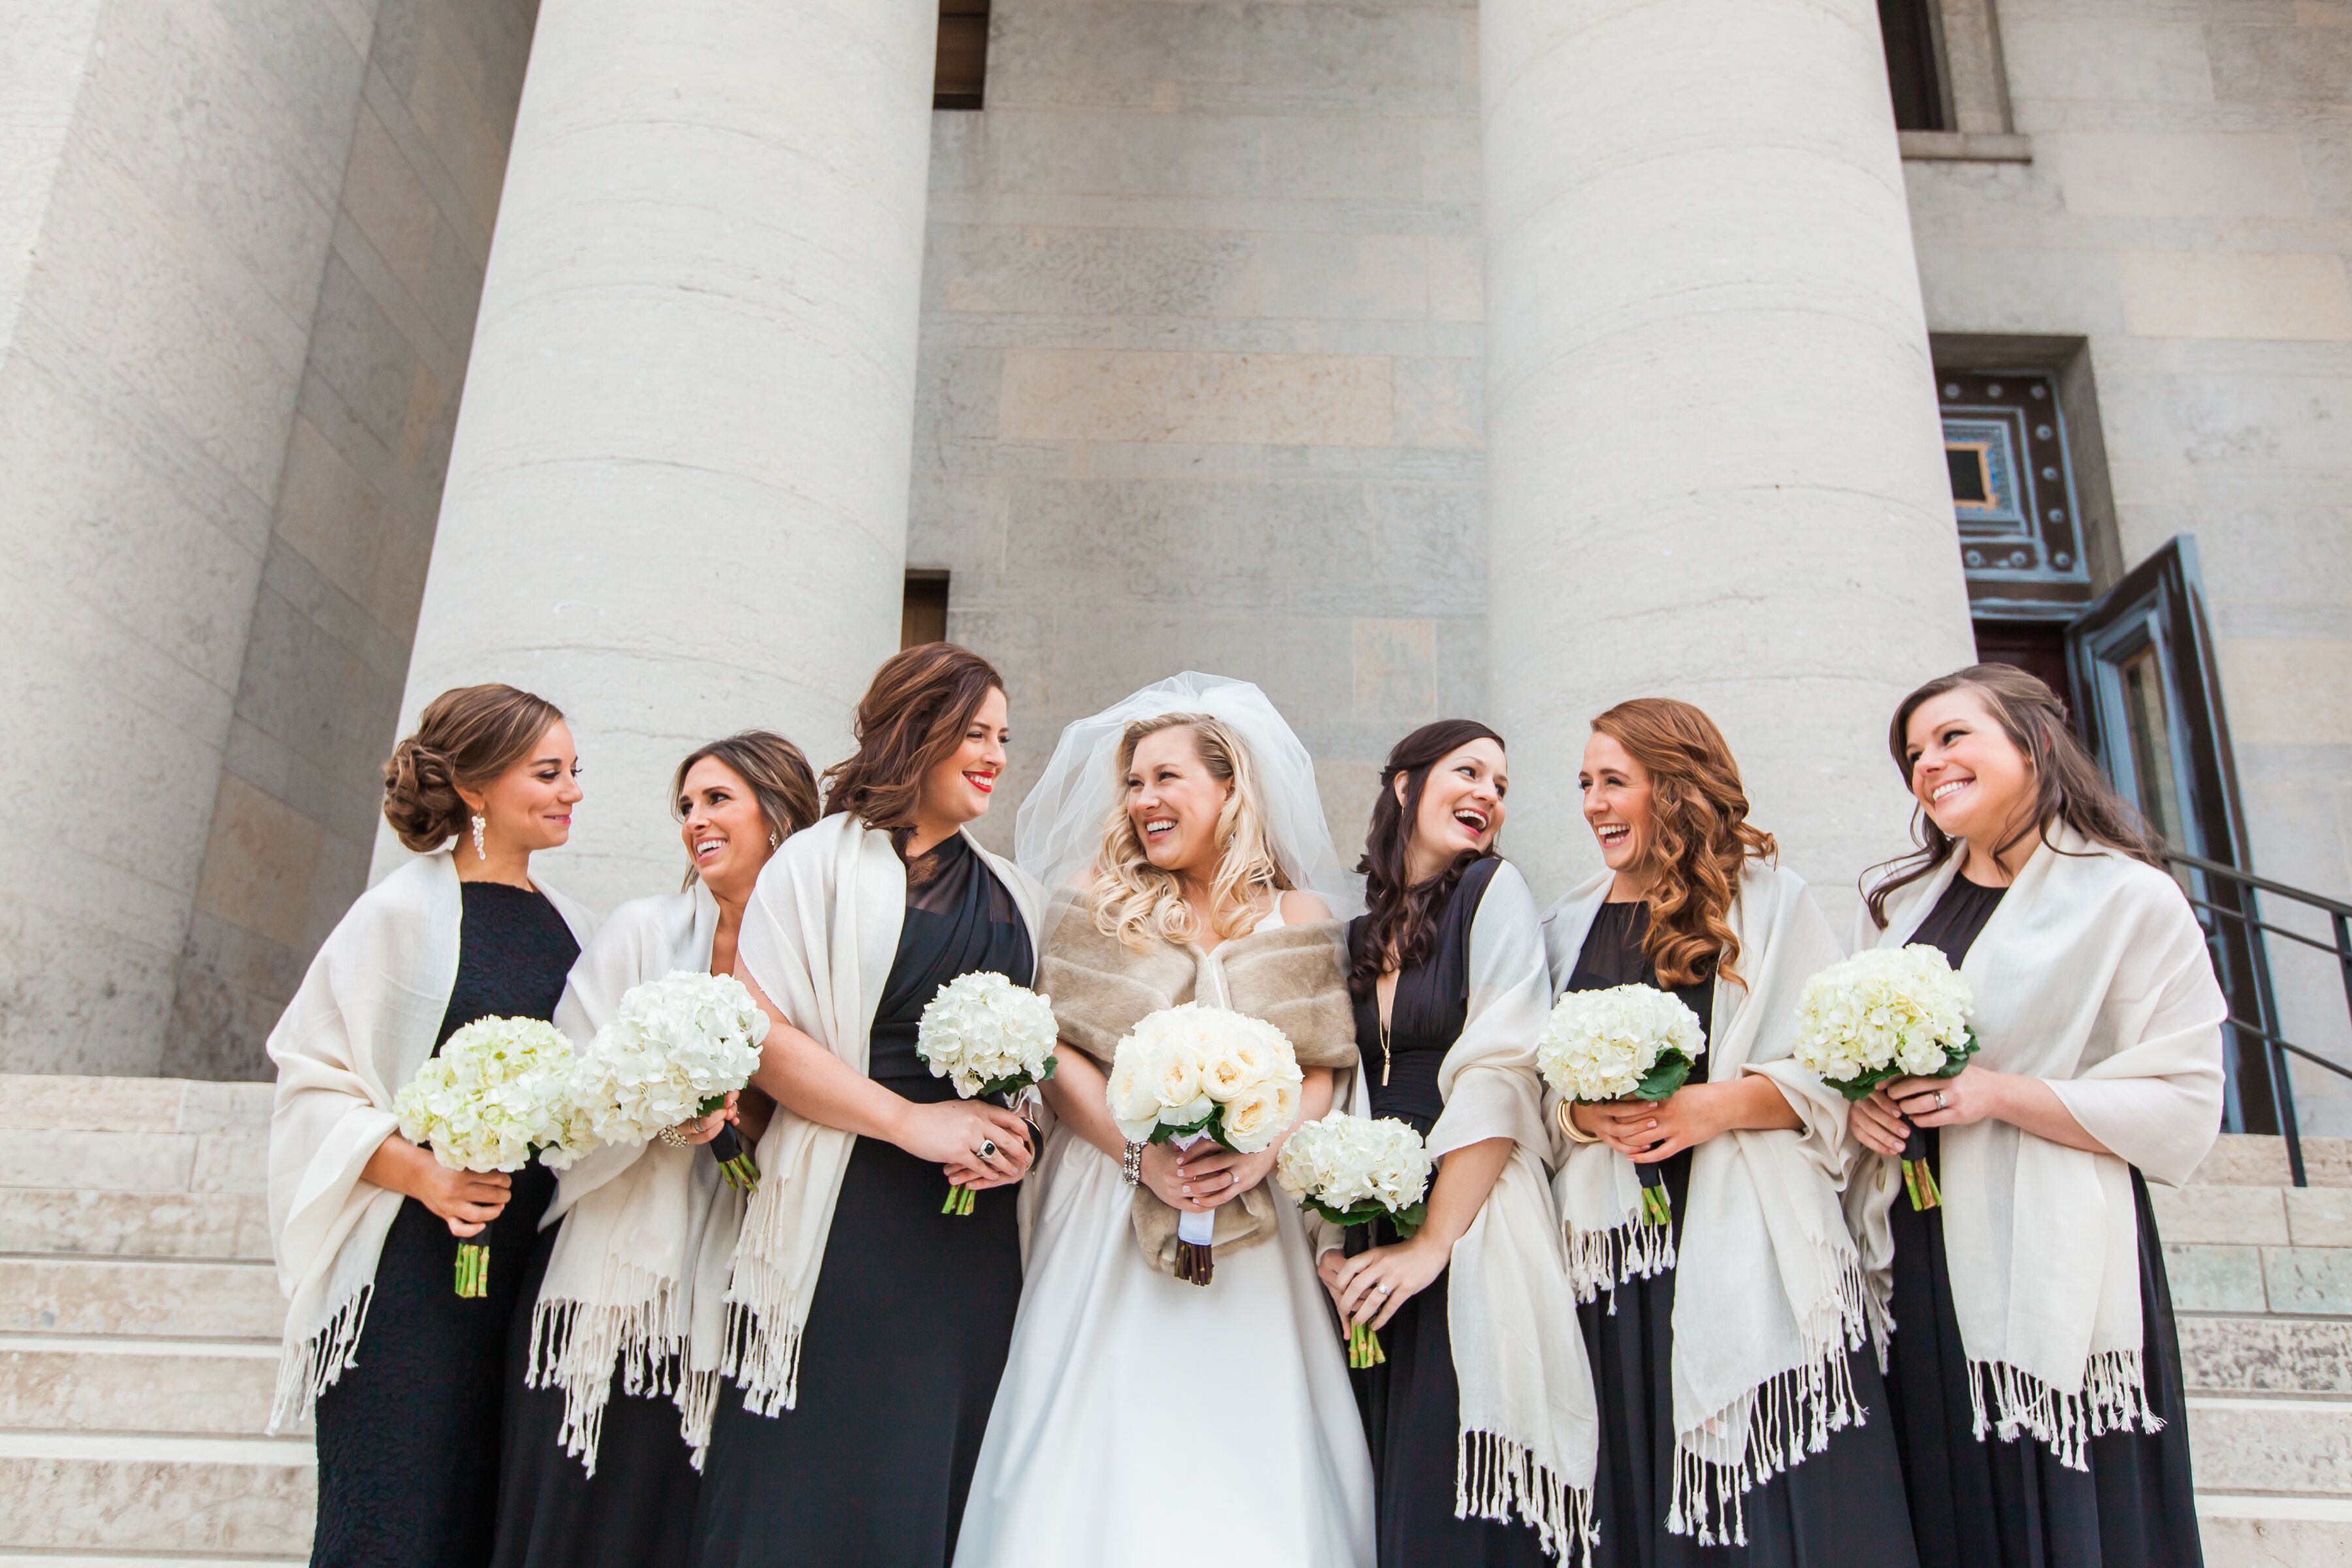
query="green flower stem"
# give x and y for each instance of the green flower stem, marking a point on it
(1364, 1347)
(960, 1200)
(473, 1270)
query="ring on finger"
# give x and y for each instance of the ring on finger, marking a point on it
(1939, 1100)
(988, 1148)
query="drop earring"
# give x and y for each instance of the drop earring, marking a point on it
(774, 842)
(480, 822)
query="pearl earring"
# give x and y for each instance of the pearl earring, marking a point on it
(480, 822)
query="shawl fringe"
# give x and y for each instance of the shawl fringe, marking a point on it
(309, 1367)
(1600, 1260)
(766, 1361)
(1494, 1476)
(697, 1408)
(2113, 1398)
(584, 1348)
(1790, 1415)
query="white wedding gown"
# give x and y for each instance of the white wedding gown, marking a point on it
(1142, 1420)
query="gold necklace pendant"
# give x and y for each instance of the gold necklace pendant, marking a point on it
(1384, 1053)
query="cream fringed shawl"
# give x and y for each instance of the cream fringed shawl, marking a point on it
(1769, 1291)
(647, 1228)
(819, 938)
(1529, 1433)
(2092, 975)
(365, 1019)
(1289, 975)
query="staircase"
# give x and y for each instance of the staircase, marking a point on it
(139, 1321)
(2261, 1280)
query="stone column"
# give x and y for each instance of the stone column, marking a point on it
(676, 500)
(1712, 436)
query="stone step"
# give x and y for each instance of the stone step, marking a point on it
(2255, 1531)
(135, 1225)
(159, 1298)
(93, 1493)
(2254, 1160)
(2305, 1281)
(231, 1161)
(145, 1560)
(63, 1103)
(2282, 1446)
(2266, 1356)
(187, 1387)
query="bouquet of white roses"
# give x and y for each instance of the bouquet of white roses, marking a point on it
(1883, 1013)
(674, 1051)
(1351, 1170)
(1190, 1072)
(1629, 1042)
(498, 1091)
(992, 1037)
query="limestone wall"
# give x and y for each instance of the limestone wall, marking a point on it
(2188, 208)
(1202, 366)
(168, 182)
(319, 694)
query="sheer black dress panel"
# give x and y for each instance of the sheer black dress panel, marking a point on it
(913, 1313)
(408, 1440)
(1840, 1508)
(1995, 1504)
(1412, 1403)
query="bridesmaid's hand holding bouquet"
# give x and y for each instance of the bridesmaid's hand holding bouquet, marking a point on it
(1629, 1042)
(1886, 1013)
(993, 1038)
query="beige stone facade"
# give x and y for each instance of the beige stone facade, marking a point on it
(1202, 350)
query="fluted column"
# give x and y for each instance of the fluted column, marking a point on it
(1715, 466)
(676, 500)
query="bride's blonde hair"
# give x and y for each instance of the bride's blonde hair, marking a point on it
(1135, 901)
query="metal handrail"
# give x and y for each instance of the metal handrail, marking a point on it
(2264, 1033)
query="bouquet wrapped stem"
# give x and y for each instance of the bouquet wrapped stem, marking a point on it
(994, 1038)
(473, 1270)
(736, 1166)
(1882, 1014)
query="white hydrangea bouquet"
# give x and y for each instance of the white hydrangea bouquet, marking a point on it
(672, 1053)
(1190, 1072)
(1629, 1042)
(992, 1037)
(1883, 1013)
(498, 1091)
(1352, 1170)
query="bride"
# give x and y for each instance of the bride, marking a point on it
(1142, 1419)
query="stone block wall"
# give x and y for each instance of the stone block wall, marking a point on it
(1202, 366)
(2188, 208)
(318, 696)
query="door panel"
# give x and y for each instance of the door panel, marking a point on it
(2148, 703)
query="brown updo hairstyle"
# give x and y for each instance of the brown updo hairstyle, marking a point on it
(1700, 839)
(911, 719)
(468, 735)
(1400, 918)
(775, 771)
(2068, 786)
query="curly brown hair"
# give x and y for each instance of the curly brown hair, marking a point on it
(1400, 916)
(911, 718)
(1699, 839)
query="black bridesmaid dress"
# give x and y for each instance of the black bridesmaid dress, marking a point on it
(635, 1511)
(907, 1332)
(1411, 1404)
(1996, 1504)
(408, 1438)
(1841, 1507)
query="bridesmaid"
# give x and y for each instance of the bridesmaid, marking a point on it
(406, 1373)
(2100, 1065)
(596, 1471)
(1446, 968)
(863, 1451)
(1742, 1420)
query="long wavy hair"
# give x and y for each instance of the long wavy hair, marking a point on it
(1400, 916)
(911, 718)
(775, 771)
(2068, 786)
(1135, 901)
(1699, 839)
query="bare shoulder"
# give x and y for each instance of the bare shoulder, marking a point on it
(1297, 908)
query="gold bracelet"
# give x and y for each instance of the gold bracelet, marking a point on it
(1568, 1128)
